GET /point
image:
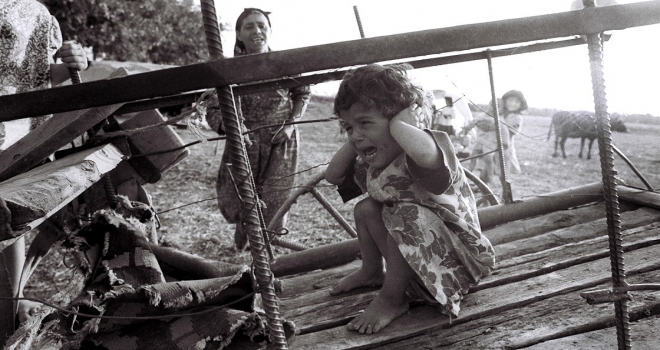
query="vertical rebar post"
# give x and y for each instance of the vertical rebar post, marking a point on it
(359, 22)
(603, 127)
(241, 171)
(506, 185)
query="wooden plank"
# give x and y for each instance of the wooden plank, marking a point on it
(308, 282)
(571, 254)
(563, 317)
(34, 196)
(573, 234)
(278, 64)
(477, 305)
(542, 263)
(52, 135)
(644, 336)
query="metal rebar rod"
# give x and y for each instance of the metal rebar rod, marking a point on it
(236, 146)
(595, 45)
(506, 185)
(359, 21)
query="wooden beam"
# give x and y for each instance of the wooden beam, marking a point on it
(34, 196)
(278, 64)
(311, 79)
(543, 204)
(52, 135)
(639, 196)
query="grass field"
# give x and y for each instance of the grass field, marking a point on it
(185, 196)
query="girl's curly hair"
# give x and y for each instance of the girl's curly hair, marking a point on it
(387, 88)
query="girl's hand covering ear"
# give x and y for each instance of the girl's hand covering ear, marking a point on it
(411, 115)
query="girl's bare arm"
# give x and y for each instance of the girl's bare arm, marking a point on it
(339, 165)
(417, 143)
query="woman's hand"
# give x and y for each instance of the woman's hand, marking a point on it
(282, 134)
(73, 56)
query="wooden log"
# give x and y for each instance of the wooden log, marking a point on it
(558, 318)
(522, 229)
(481, 304)
(593, 229)
(329, 255)
(335, 254)
(639, 197)
(540, 205)
(185, 266)
(34, 196)
(278, 64)
(52, 135)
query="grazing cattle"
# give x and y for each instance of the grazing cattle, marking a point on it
(578, 125)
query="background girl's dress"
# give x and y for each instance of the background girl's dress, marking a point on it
(437, 233)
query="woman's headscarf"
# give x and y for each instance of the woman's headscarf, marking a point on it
(239, 47)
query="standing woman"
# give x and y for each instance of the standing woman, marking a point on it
(30, 38)
(273, 152)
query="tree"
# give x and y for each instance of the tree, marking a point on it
(157, 31)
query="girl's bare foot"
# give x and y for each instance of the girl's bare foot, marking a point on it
(26, 308)
(358, 279)
(379, 313)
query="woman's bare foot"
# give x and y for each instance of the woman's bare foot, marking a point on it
(358, 279)
(379, 313)
(26, 308)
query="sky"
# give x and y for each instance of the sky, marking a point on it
(558, 78)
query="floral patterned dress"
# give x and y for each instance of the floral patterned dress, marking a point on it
(437, 233)
(29, 38)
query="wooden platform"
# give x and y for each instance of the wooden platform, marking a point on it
(531, 300)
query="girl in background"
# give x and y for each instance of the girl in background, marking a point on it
(514, 104)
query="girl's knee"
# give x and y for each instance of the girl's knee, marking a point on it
(367, 207)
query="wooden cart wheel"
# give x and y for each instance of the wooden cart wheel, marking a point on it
(310, 187)
(488, 198)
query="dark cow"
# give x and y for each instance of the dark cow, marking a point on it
(578, 125)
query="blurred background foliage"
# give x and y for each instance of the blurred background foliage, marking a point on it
(156, 31)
